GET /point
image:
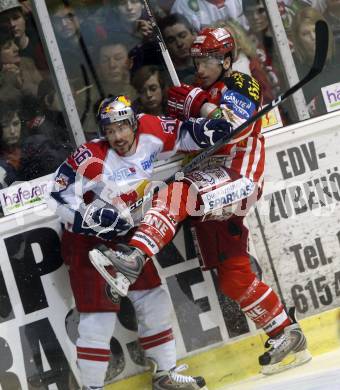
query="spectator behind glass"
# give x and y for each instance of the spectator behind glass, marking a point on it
(13, 19)
(332, 15)
(179, 36)
(76, 42)
(25, 153)
(49, 119)
(303, 35)
(114, 67)
(204, 13)
(40, 153)
(288, 9)
(19, 76)
(68, 33)
(128, 18)
(245, 59)
(261, 34)
(10, 139)
(11, 78)
(151, 86)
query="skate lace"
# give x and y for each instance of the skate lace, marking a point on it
(122, 255)
(278, 342)
(178, 378)
(128, 257)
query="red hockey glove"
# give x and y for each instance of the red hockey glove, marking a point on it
(185, 101)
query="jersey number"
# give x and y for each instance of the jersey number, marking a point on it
(81, 154)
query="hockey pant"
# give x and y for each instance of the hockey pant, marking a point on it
(90, 290)
(236, 279)
(152, 308)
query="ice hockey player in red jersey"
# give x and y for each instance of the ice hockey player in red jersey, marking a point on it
(87, 193)
(225, 187)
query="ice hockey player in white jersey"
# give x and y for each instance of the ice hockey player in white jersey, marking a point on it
(115, 168)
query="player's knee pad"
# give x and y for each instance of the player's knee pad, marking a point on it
(160, 222)
(153, 310)
(96, 327)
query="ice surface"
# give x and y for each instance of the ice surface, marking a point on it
(322, 373)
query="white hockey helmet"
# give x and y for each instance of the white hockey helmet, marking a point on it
(115, 109)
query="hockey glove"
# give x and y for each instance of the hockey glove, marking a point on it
(109, 217)
(185, 101)
(104, 222)
(206, 132)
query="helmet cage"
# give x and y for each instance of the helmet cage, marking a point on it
(113, 110)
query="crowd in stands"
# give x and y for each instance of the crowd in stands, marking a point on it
(108, 47)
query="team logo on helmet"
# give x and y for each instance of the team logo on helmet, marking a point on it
(115, 109)
(220, 34)
(124, 100)
(215, 42)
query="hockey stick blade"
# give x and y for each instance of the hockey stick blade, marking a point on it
(321, 49)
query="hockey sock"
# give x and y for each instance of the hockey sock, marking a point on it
(161, 348)
(93, 363)
(159, 224)
(261, 304)
(93, 347)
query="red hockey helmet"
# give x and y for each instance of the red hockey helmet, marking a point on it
(213, 42)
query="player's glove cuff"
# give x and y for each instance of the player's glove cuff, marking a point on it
(185, 101)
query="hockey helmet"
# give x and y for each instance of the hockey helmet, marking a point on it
(213, 42)
(115, 109)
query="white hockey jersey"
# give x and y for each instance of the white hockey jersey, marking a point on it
(96, 168)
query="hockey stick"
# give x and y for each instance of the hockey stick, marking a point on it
(321, 49)
(166, 56)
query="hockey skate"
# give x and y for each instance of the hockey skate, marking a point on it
(288, 349)
(120, 267)
(171, 380)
